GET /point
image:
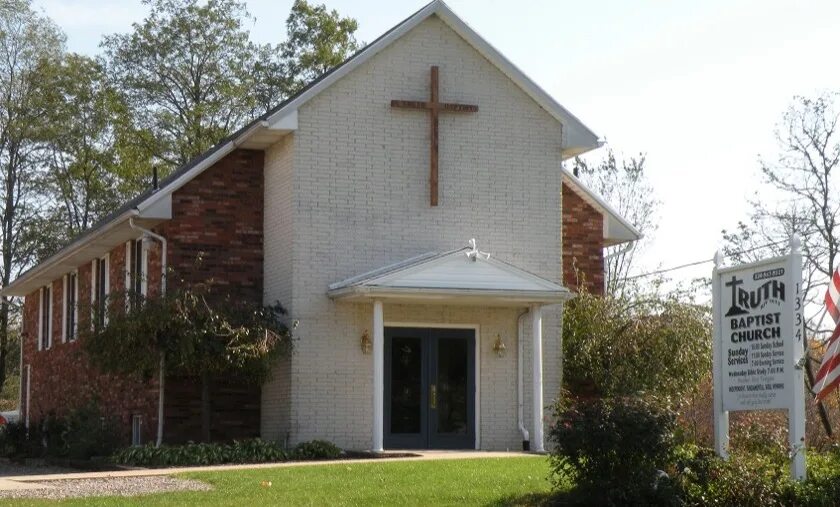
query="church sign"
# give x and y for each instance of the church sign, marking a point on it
(759, 344)
(756, 357)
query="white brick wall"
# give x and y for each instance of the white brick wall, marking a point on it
(278, 216)
(360, 199)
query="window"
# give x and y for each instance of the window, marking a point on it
(136, 429)
(71, 295)
(136, 273)
(99, 291)
(45, 331)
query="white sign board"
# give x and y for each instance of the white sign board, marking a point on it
(757, 323)
(759, 345)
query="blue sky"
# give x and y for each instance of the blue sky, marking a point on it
(698, 86)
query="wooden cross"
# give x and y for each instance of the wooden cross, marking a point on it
(435, 107)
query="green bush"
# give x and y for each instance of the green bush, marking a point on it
(81, 434)
(612, 450)
(315, 449)
(619, 346)
(16, 442)
(243, 451)
(87, 432)
(755, 478)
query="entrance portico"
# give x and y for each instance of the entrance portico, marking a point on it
(459, 278)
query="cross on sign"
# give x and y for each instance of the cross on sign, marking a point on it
(435, 107)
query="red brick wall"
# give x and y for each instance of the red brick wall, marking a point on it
(218, 216)
(583, 243)
(62, 378)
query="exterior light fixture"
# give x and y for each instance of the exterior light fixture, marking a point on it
(499, 346)
(365, 342)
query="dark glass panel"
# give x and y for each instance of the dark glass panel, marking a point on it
(452, 386)
(406, 384)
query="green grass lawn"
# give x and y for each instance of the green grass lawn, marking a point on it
(492, 481)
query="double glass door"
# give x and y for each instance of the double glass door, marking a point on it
(429, 388)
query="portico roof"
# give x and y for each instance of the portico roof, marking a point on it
(463, 276)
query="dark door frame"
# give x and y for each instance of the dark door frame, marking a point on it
(430, 336)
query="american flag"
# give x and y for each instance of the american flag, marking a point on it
(828, 377)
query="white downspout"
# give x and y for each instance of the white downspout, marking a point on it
(520, 390)
(161, 367)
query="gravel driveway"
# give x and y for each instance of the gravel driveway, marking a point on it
(115, 486)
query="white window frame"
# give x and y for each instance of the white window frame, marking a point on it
(93, 294)
(137, 429)
(45, 344)
(40, 317)
(64, 283)
(94, 287)
(128, 267)
(144, 267)
(129, 271)
(66, 292)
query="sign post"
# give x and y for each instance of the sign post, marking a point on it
(758, 346)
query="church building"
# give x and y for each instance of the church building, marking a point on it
(410, 211)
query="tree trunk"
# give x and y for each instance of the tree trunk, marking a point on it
(205, 407)
(161, 385)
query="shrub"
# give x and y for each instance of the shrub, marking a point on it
(83, 433)
(745, 479)
(87, 433)
(315, 449)
(15, 442)
(242, 451)
(618, 346)
(755, 478)
(612, 449)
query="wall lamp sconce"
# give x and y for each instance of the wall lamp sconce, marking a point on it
(365, 343)
(499, 346)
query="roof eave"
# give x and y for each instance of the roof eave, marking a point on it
(362, 293)
(23, 285)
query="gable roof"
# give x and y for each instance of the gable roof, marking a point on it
(465, 274)
(617, 229)
(154, 205)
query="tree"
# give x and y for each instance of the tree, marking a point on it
(190, 75)
(620, 345)
(624, 185)
(82, 182)
(196, 331)
(185, 74)
(29, 44)
(800, 196)
(318, 40)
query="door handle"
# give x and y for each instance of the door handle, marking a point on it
(432, 396)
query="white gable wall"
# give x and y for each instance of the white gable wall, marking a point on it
(360, 200)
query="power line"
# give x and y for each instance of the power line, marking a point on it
(704, 261)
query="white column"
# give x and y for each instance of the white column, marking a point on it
(796, 413)
(721, 417)
(536, 329)
(378, 375)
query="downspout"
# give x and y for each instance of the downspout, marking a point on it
(520, 390)
(162, 365)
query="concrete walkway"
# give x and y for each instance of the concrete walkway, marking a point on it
(33, 481)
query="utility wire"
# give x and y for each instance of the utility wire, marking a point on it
(704, 261)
